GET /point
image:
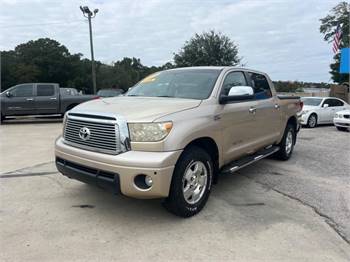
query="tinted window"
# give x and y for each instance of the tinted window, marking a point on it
(23, 90)
(333, 102)
(260, 85)
(233, 79)
(337, 102)
(45, 90)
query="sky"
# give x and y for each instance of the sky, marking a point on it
(279, 37)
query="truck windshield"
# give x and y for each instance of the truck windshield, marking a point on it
(311, 101)
(181, 83)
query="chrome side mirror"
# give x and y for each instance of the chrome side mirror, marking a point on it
(237, 93)
(8, 94)
(241, 91)
(325, 105)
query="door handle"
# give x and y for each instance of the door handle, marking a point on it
(252, 110)
(277, 106)
(53, 98)
(30, 99)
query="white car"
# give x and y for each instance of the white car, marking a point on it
(342, 120)
(320, 110)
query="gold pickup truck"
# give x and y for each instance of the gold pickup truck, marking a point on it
(175, 132)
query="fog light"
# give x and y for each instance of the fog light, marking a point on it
(149, 181)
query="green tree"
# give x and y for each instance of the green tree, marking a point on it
(208, 49)
(339, 15)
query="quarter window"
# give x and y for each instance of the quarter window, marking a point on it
(233, 79)
(45, 90)
(260, 85)
(25, 90)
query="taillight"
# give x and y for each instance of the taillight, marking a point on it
(300, 104)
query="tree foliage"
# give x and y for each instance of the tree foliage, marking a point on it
(208, 49)
(339, 15)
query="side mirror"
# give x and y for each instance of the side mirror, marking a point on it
(8, 94)
(325, 105)
(237, 93)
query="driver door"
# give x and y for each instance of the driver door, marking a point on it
(20, 100)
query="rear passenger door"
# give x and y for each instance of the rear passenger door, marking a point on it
(267, 112)
(46, 99)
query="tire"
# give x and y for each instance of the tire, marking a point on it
(185, 180)
(341, 128)
(312, 121)
(287, 143)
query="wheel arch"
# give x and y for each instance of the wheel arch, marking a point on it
(211, 147)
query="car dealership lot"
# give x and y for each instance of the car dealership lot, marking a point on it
(272, 210)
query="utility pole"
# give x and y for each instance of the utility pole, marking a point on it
(88, 14)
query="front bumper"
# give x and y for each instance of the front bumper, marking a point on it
(303, 118)
(117, 172)
(342, 122)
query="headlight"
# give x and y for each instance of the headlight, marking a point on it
(149, 132)
(304, 112)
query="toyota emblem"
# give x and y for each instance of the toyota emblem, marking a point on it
(84, 133)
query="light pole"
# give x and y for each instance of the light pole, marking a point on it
(88, 14)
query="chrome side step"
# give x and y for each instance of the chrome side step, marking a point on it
(245, 161)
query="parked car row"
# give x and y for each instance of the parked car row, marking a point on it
(324, 110)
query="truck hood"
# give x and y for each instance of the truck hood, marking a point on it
(137, 109)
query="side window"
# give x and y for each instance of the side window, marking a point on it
(233, 79)
(260, 85)
(333, 102)
(337, 102)
(24, 90)
(45, 90)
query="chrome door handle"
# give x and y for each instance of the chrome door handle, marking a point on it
(53, 98)
(277, 106)
(30, 99)
(252, 110)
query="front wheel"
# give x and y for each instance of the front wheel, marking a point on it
(191, 183)
(287, 143)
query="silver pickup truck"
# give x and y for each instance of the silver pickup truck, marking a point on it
(39, 99)
(175, 132)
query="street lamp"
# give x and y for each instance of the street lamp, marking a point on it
(88, 14)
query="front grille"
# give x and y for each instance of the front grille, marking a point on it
(346, 116)
(103, 137)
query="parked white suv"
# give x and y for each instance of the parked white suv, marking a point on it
(320, 110)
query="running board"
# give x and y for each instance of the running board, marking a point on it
(245, 161)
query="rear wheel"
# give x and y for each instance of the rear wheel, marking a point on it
(312, 121)
(287, 143)
(191, 183)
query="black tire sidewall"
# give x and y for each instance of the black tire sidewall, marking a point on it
(282, 153)
(176, 202)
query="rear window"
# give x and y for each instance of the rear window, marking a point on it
(311, 101)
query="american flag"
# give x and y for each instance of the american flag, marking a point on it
(336, 40)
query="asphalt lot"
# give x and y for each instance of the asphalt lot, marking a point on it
(270, 211)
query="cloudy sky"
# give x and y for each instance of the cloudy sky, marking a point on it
(280, 37)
